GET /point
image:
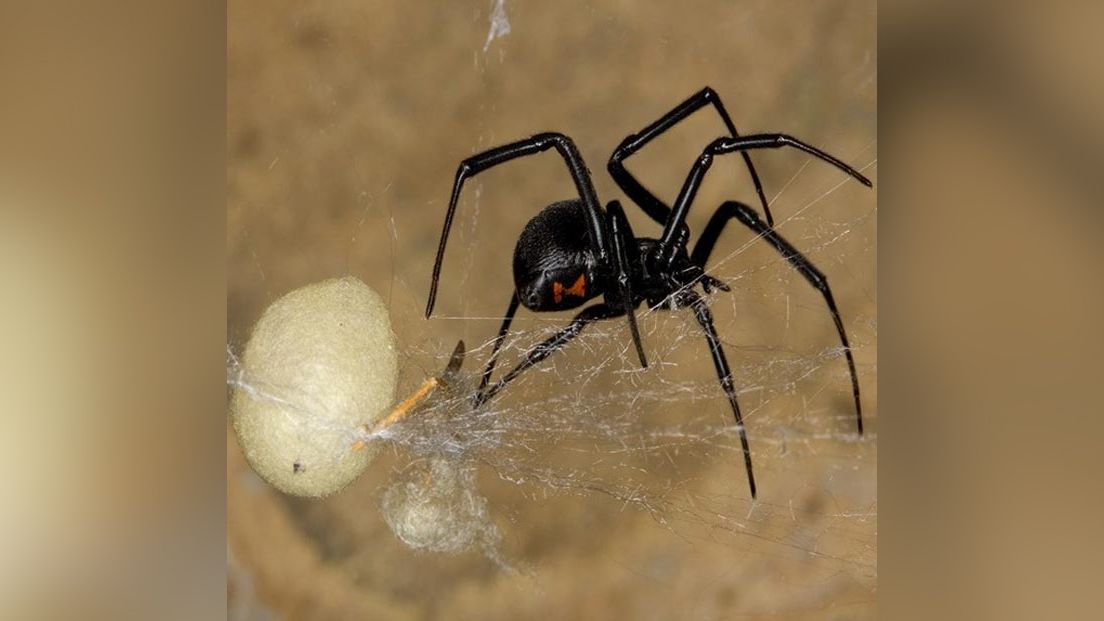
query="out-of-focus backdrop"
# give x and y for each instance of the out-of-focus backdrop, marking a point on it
(346, 121)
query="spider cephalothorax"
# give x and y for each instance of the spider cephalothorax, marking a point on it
(574, 251)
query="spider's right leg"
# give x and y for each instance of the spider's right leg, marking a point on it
(548, 347)
(655, 208)
(732, 210)
(724, 374)
(500, 155)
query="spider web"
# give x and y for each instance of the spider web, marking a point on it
(587, 445)
(590, 422)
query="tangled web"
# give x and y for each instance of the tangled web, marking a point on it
(590, 422)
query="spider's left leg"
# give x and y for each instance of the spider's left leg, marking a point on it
(476, 164)
(724, 374)
(511, 310)
(550, 346)
(640, 195)
(747, 216)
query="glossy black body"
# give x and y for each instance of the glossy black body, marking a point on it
(544, 256)
(573, 251)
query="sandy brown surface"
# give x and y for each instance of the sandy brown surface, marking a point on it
(346, 121)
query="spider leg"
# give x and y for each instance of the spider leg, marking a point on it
(703, 248)
(651, 205)
(747, 216)
(669, 243)
(724, 374)
(624, 243)
(500, 155)
(511, 310)
(550, 346)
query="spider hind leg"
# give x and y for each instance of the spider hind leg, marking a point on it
(724, 373)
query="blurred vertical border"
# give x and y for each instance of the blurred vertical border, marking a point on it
(992, 149)
(112, 322)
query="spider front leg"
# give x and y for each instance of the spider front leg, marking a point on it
(746, 215)
(511, 310)
(548, 347)
(500, 155)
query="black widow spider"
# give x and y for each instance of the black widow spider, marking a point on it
(573, 250)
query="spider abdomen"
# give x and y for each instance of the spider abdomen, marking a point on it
(553, 260)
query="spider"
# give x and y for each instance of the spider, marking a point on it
(574, 250)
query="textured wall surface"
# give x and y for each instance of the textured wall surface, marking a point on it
(346, 120)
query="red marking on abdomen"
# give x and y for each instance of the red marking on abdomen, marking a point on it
(577, 289)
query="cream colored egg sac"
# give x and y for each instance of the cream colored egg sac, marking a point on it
(320, 363)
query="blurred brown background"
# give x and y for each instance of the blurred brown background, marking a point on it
(346, 121)
(991, 338)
